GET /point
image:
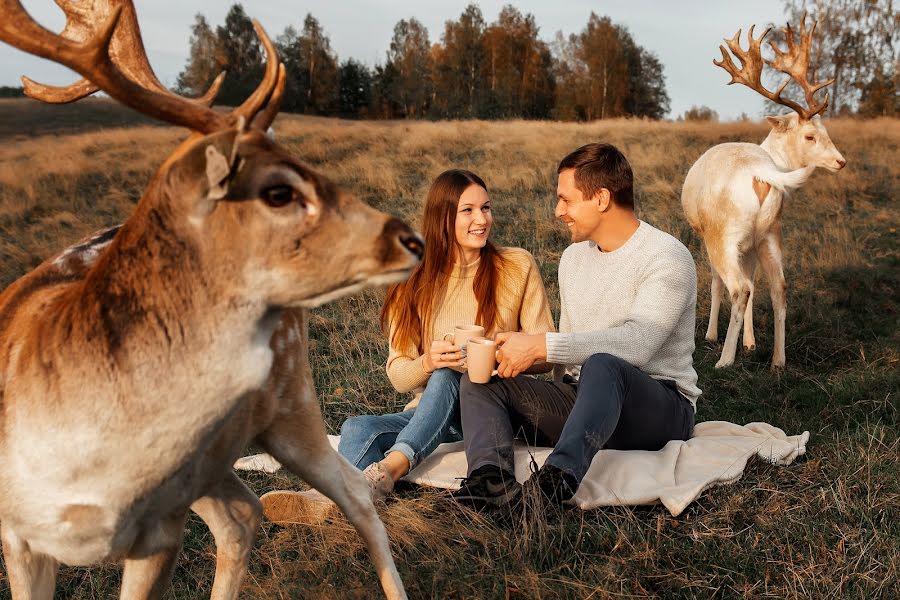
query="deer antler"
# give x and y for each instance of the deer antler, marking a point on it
(102, 42)
(794, 62)
(126, 50)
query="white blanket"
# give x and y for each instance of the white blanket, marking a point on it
(674, 476)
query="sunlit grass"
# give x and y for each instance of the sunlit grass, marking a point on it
(826, 526)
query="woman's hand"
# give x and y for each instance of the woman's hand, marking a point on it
(441, 355)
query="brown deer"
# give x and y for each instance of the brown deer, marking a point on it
(733, 194)
(137, 366)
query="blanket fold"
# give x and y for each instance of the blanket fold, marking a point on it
(673, 476)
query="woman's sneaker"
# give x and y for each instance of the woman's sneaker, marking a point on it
(488, 485)
(379, 480)
(285, 507)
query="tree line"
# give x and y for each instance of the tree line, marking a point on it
(482, 70)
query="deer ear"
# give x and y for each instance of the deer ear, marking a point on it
(779, 123)
(219, 165)
(217, 170)
(201, 176)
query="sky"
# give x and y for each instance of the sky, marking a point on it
(684, 34)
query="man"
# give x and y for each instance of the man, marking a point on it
(628, 295)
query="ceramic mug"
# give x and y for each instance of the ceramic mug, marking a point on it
(481, 359)
(461, 335)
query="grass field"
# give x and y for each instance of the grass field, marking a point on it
(827, 526)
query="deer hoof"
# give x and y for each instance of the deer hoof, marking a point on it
(724, 362)
(750, 348)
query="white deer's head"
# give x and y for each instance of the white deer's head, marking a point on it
(797, 139)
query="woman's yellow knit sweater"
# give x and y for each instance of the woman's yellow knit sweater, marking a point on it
(522, 303)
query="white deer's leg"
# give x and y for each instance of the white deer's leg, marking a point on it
(32, 576)
(233, 514)
(726, 260)
(739, 298)
(150, 562)
(715, 301)
(738, 285)
(749, 338)
(770, 253)
(298, 440)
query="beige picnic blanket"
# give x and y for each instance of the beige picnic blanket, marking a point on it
(674, 476)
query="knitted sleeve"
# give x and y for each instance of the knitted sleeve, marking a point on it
(564, 323)
(535, 315)
(405, 369)
(665, 290)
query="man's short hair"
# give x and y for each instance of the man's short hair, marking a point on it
(600, 166)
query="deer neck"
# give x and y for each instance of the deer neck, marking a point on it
(780, 151)
(155, 283)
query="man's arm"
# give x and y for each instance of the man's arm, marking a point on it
(662, 297)
(522, 353)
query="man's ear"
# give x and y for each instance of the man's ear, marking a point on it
(603, 199)
(197, 179)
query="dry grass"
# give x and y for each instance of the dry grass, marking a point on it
(825, 527)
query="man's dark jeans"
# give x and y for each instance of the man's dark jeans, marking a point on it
(613, 405)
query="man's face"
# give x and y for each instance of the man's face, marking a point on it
(581, 215)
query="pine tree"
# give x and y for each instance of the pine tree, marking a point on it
(410, 57)
(205, 62)
(355, 89)
(242, 56)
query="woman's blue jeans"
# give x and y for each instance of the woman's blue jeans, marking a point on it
(366, 439)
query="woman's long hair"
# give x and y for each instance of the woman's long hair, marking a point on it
(410, 305)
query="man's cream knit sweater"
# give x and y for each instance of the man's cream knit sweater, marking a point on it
(638, 302)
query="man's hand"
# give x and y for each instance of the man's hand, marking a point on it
(518, 351)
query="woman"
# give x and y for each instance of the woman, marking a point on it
(462, 279)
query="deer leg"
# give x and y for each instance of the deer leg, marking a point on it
(298, 440)
(770, 253)
(32, 576)
(738, 284)
(149, 564)
(233, 514)
(715, 300)
(749, 338)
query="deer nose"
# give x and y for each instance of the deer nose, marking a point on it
(396, 231)
(841, 162)
(412, 242)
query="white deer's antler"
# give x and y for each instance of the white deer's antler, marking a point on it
(793, 62)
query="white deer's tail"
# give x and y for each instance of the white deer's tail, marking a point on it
(783, 179)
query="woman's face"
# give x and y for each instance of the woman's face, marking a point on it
(473, 220)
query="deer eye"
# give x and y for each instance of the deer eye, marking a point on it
(810, 138)
(278, 195)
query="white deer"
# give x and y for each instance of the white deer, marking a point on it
(137, 366)
(733, 194)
